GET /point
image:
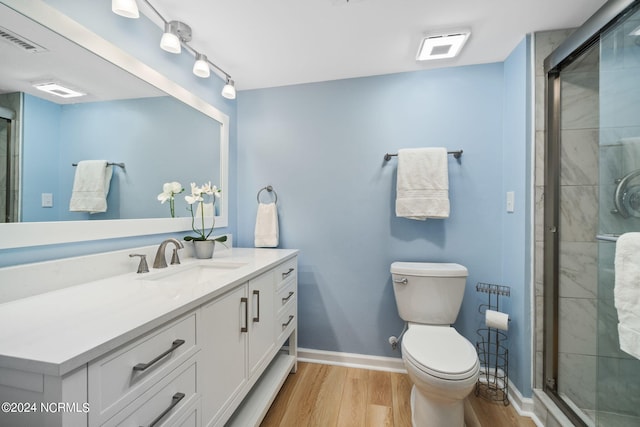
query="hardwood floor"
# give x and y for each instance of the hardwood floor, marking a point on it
(334, 396)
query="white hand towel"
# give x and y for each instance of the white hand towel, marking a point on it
(91, 186)
(627, 292)
(266, 232)
(422, 189)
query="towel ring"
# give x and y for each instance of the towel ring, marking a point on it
(270, 190)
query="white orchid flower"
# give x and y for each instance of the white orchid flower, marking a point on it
(169, 190)
(196, 194)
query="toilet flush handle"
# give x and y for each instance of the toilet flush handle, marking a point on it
(403, 281)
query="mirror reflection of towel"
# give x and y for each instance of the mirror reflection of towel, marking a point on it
(91, 186)
(266, 232)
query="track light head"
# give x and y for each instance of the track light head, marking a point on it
(229, 90)
(126, 8)
(201, 67)
(175, 33)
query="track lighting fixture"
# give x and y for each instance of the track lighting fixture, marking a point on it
(229, 90)
(201, 67)
(126, 8)
(177, 35)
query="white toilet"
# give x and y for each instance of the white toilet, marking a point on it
(442, 364)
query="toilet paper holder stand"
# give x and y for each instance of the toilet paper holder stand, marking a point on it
(493, 382)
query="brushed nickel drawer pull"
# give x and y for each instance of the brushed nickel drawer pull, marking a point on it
(145, 366)
(285, 299)
(174, 401)
(284, 325)
(257, 318)
(245, 301)
(285, 275)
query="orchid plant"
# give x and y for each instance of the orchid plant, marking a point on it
(169, 191)
(198, 194)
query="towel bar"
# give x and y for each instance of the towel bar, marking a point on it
(270, 190)
(456, 154)
(120, 165)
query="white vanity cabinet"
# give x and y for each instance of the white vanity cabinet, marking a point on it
(239, 342)
(139, 380)
(134, 352)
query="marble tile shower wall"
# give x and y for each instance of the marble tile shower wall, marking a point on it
(578, 224)
(545, 42)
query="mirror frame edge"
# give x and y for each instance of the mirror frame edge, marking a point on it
(25, 234)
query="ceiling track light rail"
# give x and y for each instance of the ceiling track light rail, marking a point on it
(177, 35)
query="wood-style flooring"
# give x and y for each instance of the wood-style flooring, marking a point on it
(334, 396)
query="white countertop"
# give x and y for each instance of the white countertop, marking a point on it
(56, 332)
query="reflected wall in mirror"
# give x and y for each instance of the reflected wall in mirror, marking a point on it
(126, 117)
(157, 139)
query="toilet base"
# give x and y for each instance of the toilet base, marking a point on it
(427, 412)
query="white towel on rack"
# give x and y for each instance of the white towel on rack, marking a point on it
(266, 232)
(627, 292)
(91, 186)
(422, 189)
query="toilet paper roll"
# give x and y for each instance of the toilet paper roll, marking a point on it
(497, 319)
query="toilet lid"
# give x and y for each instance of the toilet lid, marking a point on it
(440, 351)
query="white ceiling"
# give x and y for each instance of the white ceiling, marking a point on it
(267, 43)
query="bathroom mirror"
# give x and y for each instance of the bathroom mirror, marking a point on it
(126, 83)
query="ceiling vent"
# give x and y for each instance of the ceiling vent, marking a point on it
(442, 45)
(20, 42)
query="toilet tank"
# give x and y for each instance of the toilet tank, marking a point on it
(429, 293)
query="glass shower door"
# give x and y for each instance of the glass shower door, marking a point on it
(592, 195)
(617, 373)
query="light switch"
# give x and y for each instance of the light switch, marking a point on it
(47, 200)
(510, 201)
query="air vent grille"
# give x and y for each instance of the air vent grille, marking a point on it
(20, 42)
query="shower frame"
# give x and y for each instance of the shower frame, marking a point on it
(571, 49)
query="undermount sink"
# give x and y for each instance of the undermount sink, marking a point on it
(194, 273)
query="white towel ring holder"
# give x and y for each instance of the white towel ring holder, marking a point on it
(270, 190)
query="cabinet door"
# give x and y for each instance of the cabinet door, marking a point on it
(225, 324)
(261, 318)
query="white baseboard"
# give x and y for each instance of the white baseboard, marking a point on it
(351, 360)
(524, 406)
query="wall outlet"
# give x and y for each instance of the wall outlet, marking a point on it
(510, 201)
(47, 200)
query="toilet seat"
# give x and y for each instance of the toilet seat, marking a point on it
(440, 351)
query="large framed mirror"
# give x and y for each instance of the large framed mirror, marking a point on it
(154, 130)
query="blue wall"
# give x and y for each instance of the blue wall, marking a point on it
(40, 154)
(321, 146)
(516, 226)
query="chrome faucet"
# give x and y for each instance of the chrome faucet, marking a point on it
(160, 260)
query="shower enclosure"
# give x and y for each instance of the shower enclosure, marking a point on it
(592, 195)
(8, 165)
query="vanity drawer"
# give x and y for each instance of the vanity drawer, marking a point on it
(126, 373)
(287, 271)
(173, 401)
(287, 322)
(285, 296)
